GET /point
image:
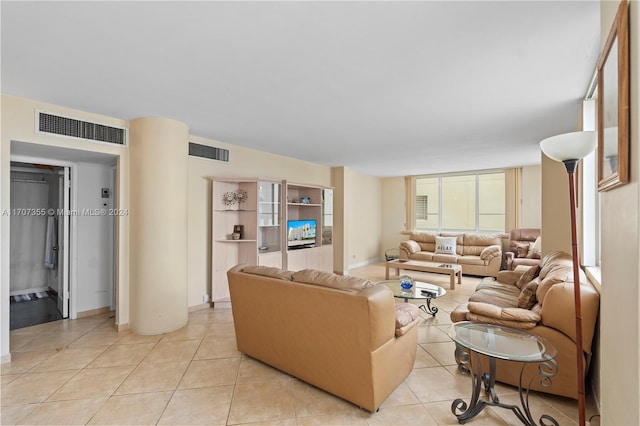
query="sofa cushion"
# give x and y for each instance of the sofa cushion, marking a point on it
(268, 271)
(527, 276)
(446, 245)
(554, 268)
(473, 244)
(471, 260)
(328, 279)
(527, 297)
(522, 249)
(423, 255)
(491, 291)
(445, 258)
(511, 314)
(512, 317)
(426, 240)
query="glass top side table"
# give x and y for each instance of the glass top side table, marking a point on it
(505, 343)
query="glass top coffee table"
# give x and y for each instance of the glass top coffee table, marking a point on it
(419, 291)
(499, 342)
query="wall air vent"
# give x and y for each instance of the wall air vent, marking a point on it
(204, 151)
(71, 127)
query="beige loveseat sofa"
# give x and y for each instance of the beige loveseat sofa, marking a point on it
(478, 254)
(338, 333)
(546, 310)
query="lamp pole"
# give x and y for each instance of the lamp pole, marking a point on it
(571, 166)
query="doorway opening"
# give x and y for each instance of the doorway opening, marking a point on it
(39, 266)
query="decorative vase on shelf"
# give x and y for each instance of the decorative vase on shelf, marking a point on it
(406, 283)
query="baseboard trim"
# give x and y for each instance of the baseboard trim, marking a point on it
(366, 262)
(223, 304)
(199, 307)
(29, 291)
(121, 327)
(93, 312)
(5, 358)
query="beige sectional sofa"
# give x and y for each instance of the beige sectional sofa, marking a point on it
(341, 334)
(478, 254)
(545, 295)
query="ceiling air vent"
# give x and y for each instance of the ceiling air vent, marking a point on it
(71, 127)
(204, 151)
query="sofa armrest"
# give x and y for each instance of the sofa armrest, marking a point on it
(512, 317)
(405, 329)
(490, 252)
(509, 277)
(509, 256)
(408, 247)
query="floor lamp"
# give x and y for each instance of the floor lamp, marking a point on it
(570, 148)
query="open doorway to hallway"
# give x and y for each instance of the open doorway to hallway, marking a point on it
(39, 261)
(91, 271)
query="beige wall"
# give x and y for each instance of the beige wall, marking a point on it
(530, 213)
(556, 220)
(619, 312)
(393, 212)
(363, 207)
(340, 245)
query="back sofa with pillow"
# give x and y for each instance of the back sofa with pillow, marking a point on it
(478, 254)
(342, 334)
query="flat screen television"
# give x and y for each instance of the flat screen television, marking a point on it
(301, 233)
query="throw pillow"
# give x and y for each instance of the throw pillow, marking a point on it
(445, 245)
(526, 277)
(522, 249)
(533, 253)
(535, 249)
(527, 297)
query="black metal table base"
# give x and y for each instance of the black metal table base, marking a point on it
(431, 310)
(465, 412)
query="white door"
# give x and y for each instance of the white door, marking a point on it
(63, 243)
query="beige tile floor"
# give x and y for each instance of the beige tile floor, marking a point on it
(83, 372)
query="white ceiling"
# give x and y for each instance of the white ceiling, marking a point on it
(384, 88)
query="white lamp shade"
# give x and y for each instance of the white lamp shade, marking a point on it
(569, 146)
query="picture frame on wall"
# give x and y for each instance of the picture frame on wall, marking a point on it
(613, 104)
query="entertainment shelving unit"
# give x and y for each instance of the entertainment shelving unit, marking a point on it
(263, 212)
(307, 202)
